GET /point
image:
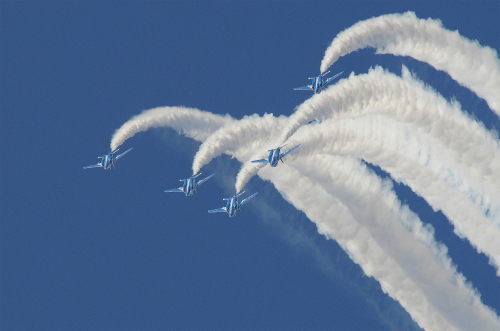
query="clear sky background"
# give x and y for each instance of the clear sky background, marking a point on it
(93, 249)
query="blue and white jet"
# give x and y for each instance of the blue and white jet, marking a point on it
(275, 156)
(317, 84)
(107, 160)
(233, 205)
(190, 185)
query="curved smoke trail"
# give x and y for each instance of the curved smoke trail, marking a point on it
(408, 101)
(403, 126)
(423, 301)
(251, 130)
(410, 266)
(192, 122)
(467, 62)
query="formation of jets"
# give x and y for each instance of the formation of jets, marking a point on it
(317, 84)
(190, 185)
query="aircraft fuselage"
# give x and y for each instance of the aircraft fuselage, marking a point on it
(189, 186)
(107, 161)
(274, 157)
(317, 84)
(232, 206)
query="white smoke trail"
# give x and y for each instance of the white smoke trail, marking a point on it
(257, 134)
(350, 204)
(409, 158)
(194, 123)
(247, 171)
(409, 101)
(427, 308)
(359, 242)
(467, 62)
(403, 257)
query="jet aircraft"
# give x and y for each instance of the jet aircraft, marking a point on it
(107, 160)
(317, 84)
(233, 205)
(314, 121)
(190, 185)
(275, 156)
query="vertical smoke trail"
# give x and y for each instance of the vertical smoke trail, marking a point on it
(408, 157)
(467, 62)
(194, 123)
(426, 307)
(247, 171)
(431, 299)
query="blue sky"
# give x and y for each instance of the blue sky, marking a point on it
(92, 250)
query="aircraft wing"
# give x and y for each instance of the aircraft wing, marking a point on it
(291, 149)
(175, 190)
(205, 179)
(119, 156)
(98, 165)
(303, 88)
(246, 200)
(332, 78)
(218, 210)
(261, 160)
